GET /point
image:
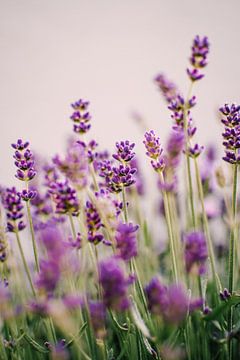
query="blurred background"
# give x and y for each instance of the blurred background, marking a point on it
(54, 52)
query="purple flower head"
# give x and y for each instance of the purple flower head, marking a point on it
(177, 107)
(116, 178)
(167, 88)
(94, 223)
(3, 243)
(50, 174)
(12, 203)
(126, 240)
(169, 302)
(24, 161)
(52, 239)
(175, 147)
(124, 151)
(90, 149)
(195, 251)
(28, 195)
(157, 296)
(75, 165)
(48, 276)
(81, 117)
(154, 150)
(77, 242)
(198, 60)
(115, 284)
(64, 197)
(231, 134)
(98, 317)
(194, 151)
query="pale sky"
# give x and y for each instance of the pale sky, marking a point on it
(108, 52)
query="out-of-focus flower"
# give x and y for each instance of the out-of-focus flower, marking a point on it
(198, 60)
(115, 284)
(75, 165)
(126, 240)
(174, 148)
(195, 251)
(98, 316)
(172, 303)
(12, 203)
(167, 88)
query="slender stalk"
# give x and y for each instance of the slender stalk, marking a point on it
(125, 212)
(232, 254)
(206, 228)
(25, 263)
(170, 231)
(32, 235)
(74, 234)
(93, 174)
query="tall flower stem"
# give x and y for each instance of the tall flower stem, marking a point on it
(32, 235)
(232, 253)
(125, 212)
(170, 231)
(188, 165)
(74, 234)
(25, 263)
(206, 228)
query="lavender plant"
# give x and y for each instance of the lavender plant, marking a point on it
(101, 282)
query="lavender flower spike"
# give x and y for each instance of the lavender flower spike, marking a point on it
(12, 203)
(23, 161)
(81, 117)
(115, 284)
(195, 252)
(198, 60)
(166, 87)
(126, 240)
(154, 150)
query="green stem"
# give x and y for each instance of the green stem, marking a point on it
(190, 187)
(125, 212)
(232, 254)
(206, 228)
(32, 235)
(74, 234)
(25, 263)
(92, 171)
(170, 232)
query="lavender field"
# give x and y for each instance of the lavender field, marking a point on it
(98, 278)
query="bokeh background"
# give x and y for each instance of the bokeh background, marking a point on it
(108, 51)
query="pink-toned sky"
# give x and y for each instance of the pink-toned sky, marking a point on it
(108, 51)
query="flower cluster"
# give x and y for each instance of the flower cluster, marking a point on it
(172, 303)
(94, 223)
(154, 150)
(231, 135)
(167, 88)
(178, 107)
(64, 197)
(12, 203)
(75, 165)
(115, 284)
(195, 252)
(126, 240)
(23, 161)
(81, 117)
(98, 314)
(198, 60)
(118, 177)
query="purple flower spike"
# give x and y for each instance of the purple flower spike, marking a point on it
(124, 151)
(126, 240)
(167, 88)
(81, 117)
(198, 60)
(154, 150)
(98, 316)
(65, 198)
(13, 205)
(231, 134)
(195, 252)
(115, 284)
(94, 223)
(23, 161)
(194, 151)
